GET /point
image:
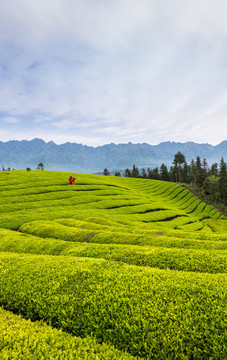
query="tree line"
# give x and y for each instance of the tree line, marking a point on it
(208, 182)
(40, 166)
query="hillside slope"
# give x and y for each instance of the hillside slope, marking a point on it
(151, 203)
(135, 267)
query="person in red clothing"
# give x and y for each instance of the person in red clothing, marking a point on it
(71, 180)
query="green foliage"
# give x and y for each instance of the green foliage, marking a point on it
(211, 189)
(223, 181)
(149, 313)
(178, 160)
(21, 339)
(198, 174)
(135, 172)
(164, 174)
(46, 195)
(139, 264)
(106, 172)
(177, 256)
(127, 173)
(40, 166)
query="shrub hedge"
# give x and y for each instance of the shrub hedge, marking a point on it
(151, 313)
(22, 339)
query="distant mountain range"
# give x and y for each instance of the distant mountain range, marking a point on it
(87, 159)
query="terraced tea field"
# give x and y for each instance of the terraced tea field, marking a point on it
(109, 268)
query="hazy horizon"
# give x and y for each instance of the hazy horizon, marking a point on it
(114, 143)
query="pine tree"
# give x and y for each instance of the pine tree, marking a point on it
(155, 173)
(40, 166)
(164, 174)
(192, 172)
(186, 173)
(144, 174)
(135, 172)
(127, 173)
(199, 173)
(149, 173)
(205, 169)
(223, 180)
(106, 172)
(178, 160)
(172, 173)
(214, 169)
(211, 189)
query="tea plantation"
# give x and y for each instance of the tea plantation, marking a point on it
(109, 268)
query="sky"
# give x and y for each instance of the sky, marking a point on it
(101, 71)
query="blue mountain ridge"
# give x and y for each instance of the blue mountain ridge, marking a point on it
(20, 154)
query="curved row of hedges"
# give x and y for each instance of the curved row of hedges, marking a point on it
(149, 313)
(60, 229)
(42, 195)
(94, 244)
(22, 339)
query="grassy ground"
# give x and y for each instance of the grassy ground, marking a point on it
(146, 259)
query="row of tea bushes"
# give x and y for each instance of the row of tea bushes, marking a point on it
(212, 261)
(151, 313)
(181, 197)
(47, 195)
(114, 224)
(22, 339)
(18, 204)
(83, 210)
(57, 229)
(25, 243)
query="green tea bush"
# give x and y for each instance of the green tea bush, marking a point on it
(51, 229)
(22, 339)
(160, 257)
(184, 200)
(111, 237)
(47, 195)
(150, 313)
(195, 226)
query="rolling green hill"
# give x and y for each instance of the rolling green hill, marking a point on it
(135, 267)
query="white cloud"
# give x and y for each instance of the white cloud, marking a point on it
(10, 120)
(64, 124)
(125, 69)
